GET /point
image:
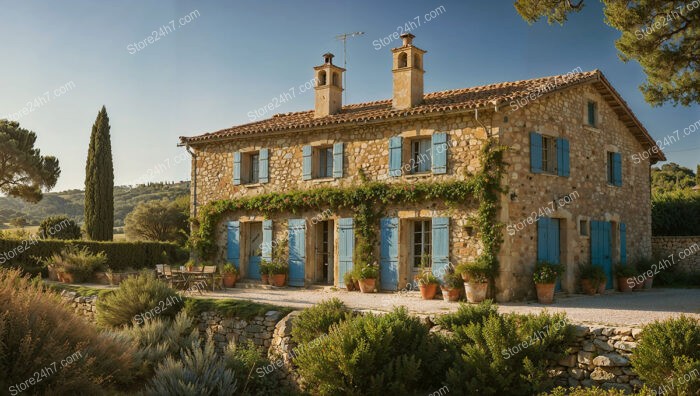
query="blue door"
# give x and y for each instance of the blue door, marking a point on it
(548, 247)
(297, 251)
(346, 245)
(233, 243)
(389, 257)
(601, 248)
(441, 245)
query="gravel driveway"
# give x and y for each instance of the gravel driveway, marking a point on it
(623, 309)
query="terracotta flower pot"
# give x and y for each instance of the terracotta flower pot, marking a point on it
(545, 292)
(66, 277)
(229, 280)
(465, 277)
(356, 285)
(648, 282)
(587, 287)
(428, 291)
(278, 280)
(452, 294)
(625, 284)
(367, 285)
(638, 286)
(476, 292)
(265, 279)
(350, 286)
(602, 286)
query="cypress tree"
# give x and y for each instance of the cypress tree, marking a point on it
(99, 182)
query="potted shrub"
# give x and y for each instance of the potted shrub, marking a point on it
(278, 274)
(589, 278)
(601, 278)
(368, 275)
(451, 287)
(428, 283)
(229, 275)
(462, 270)
(349, 281)
(625, 277)
(545, 277)
(477, 285)
(265, 271)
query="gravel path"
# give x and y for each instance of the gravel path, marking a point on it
(622, 309)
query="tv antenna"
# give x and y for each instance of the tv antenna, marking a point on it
(344, 38)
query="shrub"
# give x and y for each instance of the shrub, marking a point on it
(80, 263)
(546, 272)
(315, 321)
(38, 330)
(158, 339)
(670, 213)
(467, 314)
(197, 371)
(59, 227)
(368, 272)
(669, 351)
(120, 255)
(625, 271)
(392, 354)
(135, 299)
(507, 354)
(247, 362)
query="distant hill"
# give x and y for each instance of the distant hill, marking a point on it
(71, 202)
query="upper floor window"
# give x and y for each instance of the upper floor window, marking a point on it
(592, 113)
(324, 162)
(549, 154)
(250, 167)
(614, 169)
(421, 158)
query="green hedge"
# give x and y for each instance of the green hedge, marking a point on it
(672, 213)
(120, 255)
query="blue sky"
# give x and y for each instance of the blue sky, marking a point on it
(232, 57)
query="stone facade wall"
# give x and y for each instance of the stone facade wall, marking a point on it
(600, 356)
(684, 249)
(590, 196)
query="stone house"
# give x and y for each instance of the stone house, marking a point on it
(573, 193)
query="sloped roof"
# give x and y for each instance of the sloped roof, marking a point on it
(485, 96)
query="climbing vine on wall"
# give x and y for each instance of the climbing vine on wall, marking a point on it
(368, 200)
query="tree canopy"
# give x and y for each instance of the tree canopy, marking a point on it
(661, 35)
(672, 177)
(160, 220)
(24, 172)
(99, 182)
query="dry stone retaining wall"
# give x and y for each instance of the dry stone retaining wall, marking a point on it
(685, 249)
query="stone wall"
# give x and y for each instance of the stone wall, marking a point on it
(684, 249)
(599, 356)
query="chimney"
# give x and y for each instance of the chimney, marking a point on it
(329, 87)
(408, 74)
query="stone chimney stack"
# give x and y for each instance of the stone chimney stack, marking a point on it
(329, 87)
(408, 74)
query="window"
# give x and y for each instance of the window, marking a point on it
(421, 242)
(614, 169)
(321, 78)
(583, 227)
(549, 154)
(255, 239)
(254, 176)
(324, 162)
(251, 167)
(403, 59)
(421, 158)
(592, 113)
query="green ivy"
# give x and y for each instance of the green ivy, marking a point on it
(368, 201)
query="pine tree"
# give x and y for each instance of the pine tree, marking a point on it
(99, 182)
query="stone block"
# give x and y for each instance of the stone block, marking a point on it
(602, 345)
(568, 361)
(585, 357)
(610, 360)
(601, 375)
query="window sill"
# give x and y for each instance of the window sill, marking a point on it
(591, 128)
(548, 174)
(322, 180)
(251, 185)
(417, 175)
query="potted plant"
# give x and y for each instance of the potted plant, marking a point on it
(278, 274)
(368, 275)
(477, 285)
(451, 287)
(545, 277)
(625, 277)
(644, 267)
(428, 283)
(229, 275)
(590, 280)
(265, 271)
(462, 270)
(349, 281)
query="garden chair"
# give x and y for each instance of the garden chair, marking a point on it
(174, 280)
(159, 271)
(209, 275)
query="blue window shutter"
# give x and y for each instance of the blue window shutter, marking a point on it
(297, 251)
(338, 159)
(236, 168)
(264, 174)
(623, 243)
(306, 171)
(617, 169)
(439, 143)
(441, 245)
(563, 157)
(543, 238)
(535, 152)
(267, 240)
(233, 244)
(395, 156)
(346, 247)
(389, 253)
